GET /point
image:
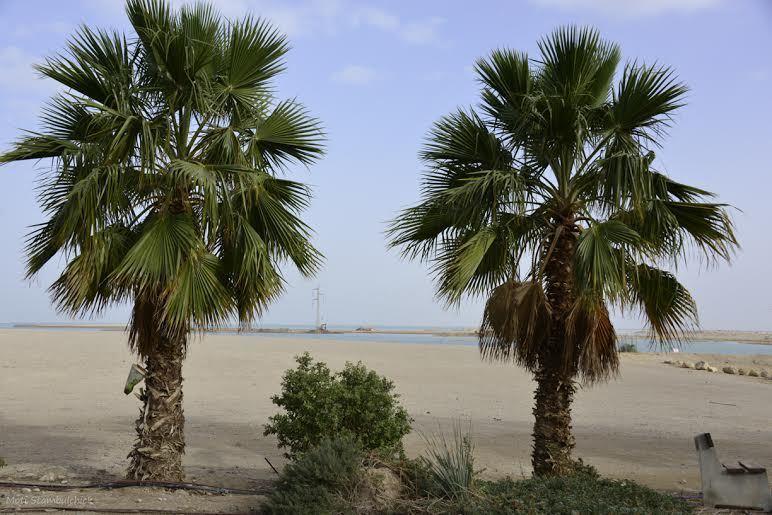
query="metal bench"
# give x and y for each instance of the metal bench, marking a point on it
(744, 485)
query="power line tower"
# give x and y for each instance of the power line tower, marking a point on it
(317, 300)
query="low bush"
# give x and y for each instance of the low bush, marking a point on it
(628, 347)
(336, 477)
(579, 493)
(355, 401)
(426, 489)
(321, 481)
(582, 492)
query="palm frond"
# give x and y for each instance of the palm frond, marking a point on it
(458, 144)
(599, 261)
(418, 230)
(591, 341)
(252, 55)
(37, 146)
(97, 65)
(222, 145)
(578, 65)
(507, 81)
(197, 295)
(85, 286)
(670, 229)
(166, 242)
(666, 304)
(460, 264)
(645, 100)
(621, 179)
(251, 269)
(516, 323)
(287, 135)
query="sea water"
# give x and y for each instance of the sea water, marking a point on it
(643, 345)
(694, 346)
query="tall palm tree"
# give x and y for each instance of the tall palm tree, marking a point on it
(164, 190)
(545, 198)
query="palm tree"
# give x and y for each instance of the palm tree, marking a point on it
(165, 193)
(546, 199)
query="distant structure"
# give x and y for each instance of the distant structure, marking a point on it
(317, 300)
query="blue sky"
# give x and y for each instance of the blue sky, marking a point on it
(379, 73)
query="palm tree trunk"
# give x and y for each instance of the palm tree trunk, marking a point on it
(553, 441)
(160, 444)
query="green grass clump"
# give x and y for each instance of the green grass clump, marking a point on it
(628, 347)
(582, 493)
(449, 464)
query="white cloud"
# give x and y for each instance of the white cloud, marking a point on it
(229, 8)
(355, 74)
(309, 17)
(303, 18)
(630, 8)
(422, 32)
(417, 32)
(375, 17)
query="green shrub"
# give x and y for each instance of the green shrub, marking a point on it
(323, 480)
(355, 402)
(628, 347)
(334, 477)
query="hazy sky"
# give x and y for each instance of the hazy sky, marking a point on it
(379, 73)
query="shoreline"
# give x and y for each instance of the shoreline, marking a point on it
(714, 335)
(720, 335)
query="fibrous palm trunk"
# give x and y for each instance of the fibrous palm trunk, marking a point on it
(553, 441)
(160, 444)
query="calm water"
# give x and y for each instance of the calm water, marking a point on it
(704, 347)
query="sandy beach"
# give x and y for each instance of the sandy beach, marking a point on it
(757, 337)
(62, 404)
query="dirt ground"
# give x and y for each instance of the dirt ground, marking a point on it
(63, 414)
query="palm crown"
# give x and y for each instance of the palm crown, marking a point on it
(165, 187)
(546, 197)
